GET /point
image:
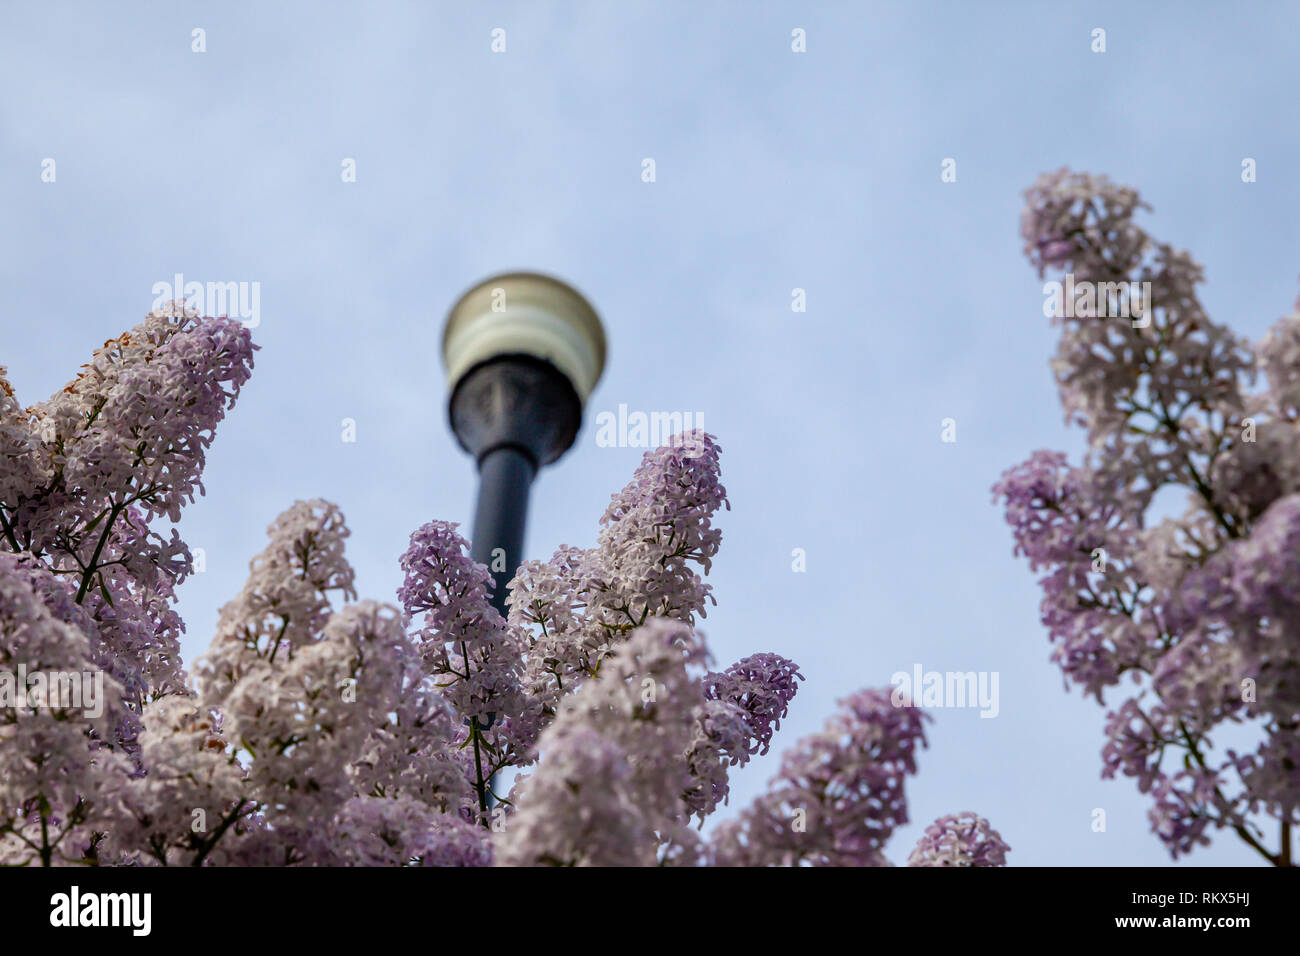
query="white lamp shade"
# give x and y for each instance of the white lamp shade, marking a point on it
(530, 314)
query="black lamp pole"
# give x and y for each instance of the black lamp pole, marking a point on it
(523, 351)
(514, 414)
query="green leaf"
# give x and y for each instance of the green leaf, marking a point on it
(96, 520)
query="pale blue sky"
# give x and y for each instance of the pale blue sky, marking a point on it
(774, 171)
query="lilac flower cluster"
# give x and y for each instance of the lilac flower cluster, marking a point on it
(1197, 610)
(761, 686)
(960, 839)
(839, 794)
(609, 788)
(742, 709)
(580, 605)
(57, 779)
(475, 656)
(321, 729)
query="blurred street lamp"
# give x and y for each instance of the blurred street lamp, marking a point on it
(522, 352)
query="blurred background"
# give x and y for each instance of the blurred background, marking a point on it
(774, 171)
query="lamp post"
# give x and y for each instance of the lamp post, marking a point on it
(522, 352)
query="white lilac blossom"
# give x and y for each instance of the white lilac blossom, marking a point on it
(407, 753)
(25, 468)
(321, 729)
(610, 786)
(578, 808)
(1196, 612)
(135, 424)
(470, 649)
(402, 831)
(192, 805)
(576, 608)
(57, 777)
(131, 430)
(86, 472)
(1279, 359)
(286, 599)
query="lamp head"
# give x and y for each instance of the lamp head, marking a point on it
(523, 351)
(525, 313)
